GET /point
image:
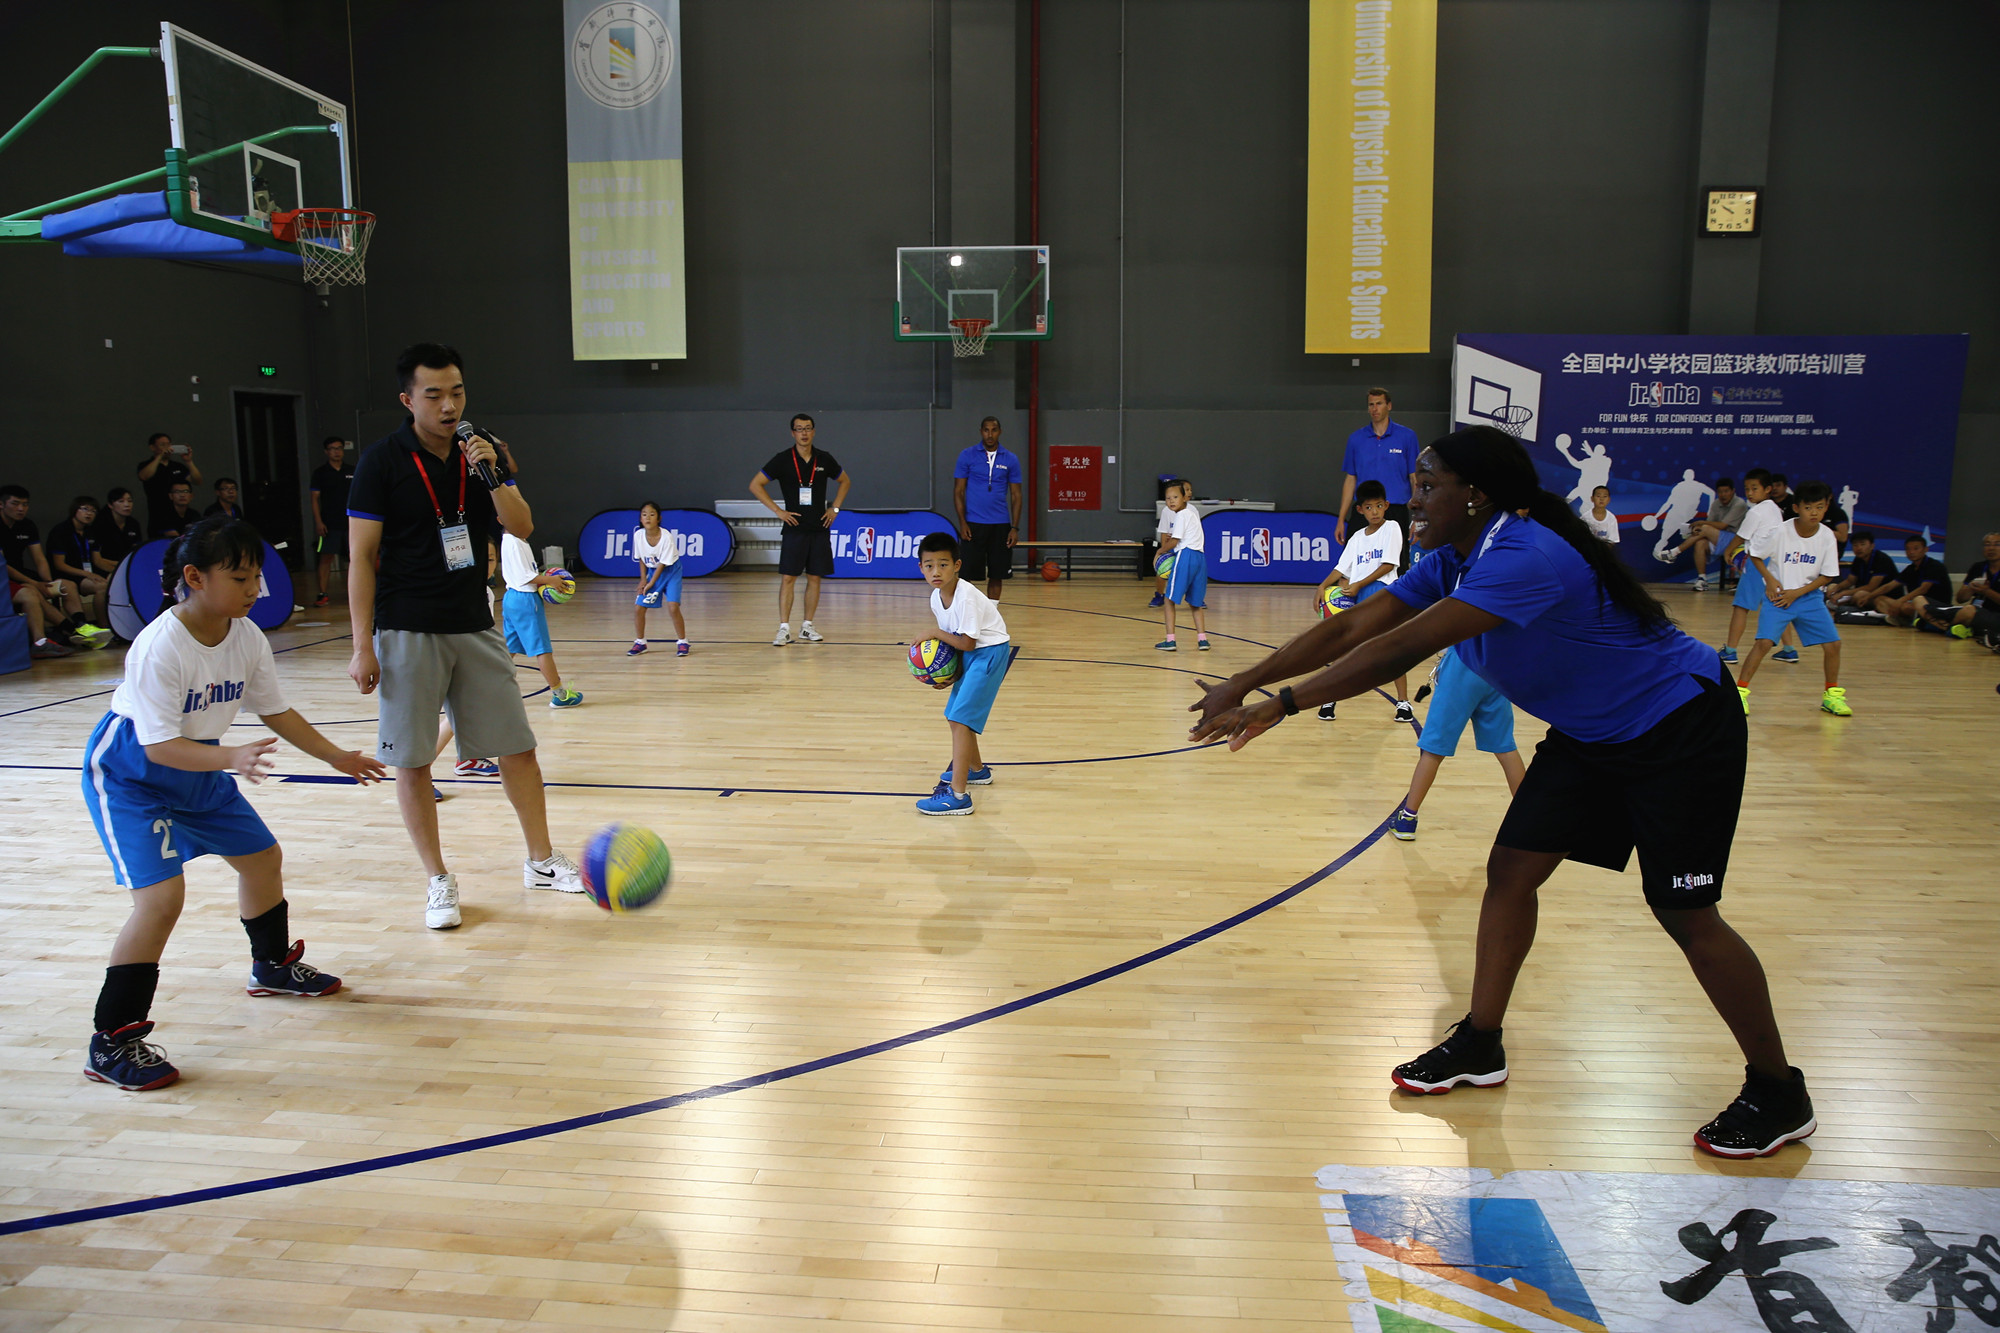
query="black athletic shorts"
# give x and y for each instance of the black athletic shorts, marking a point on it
(335, 541)
(807, 548)
(988, 549)
(1673, 794)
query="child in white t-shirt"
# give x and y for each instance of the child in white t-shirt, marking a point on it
(969, 621)
(1602, 523)
(658, 551)
(155, 778)
(1793, 562)
(1187, 580)
(1757, 526)
(527, 623)
(1366, 566)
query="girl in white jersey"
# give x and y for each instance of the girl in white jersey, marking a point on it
(659, 555)
(154, 780)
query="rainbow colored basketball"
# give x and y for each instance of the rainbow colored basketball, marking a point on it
(626, 867)
(1163, 565)
(565, 592)
(1333, 601)
(935, 662)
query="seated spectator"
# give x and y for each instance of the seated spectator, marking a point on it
(1869, 579)
(1924, 576)
(41, 598)
(166, 464)
(117, 534)
(178, 516)
(226, 503)
(1978, 609)
(1780, 493)
(1714, 531)
(71, 548)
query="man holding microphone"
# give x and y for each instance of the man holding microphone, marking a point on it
(429, 504)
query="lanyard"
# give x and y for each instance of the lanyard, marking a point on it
(991, 459)
(432, 490)
(811, 477)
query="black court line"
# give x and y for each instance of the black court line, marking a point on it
(390, 1161)
(98, 694)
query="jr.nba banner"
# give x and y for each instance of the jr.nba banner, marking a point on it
(626, 251)
(1373, 114)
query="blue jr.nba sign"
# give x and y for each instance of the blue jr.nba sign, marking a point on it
(1246, 546)
(604, 547)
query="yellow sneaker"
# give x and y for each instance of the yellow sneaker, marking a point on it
(1743, 693)
(1835, 701)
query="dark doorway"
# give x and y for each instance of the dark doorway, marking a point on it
(267, 454)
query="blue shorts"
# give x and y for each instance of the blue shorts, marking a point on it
(1808, 616)
(666, 588)
(1370, 591)
(1189, 581)
(978, 683)
(527, 623)
(1463, 695)
(1749, 589)
(153, 819)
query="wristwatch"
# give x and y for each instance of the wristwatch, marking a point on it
(1285, 698)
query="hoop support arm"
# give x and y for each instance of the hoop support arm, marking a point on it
(63, 88)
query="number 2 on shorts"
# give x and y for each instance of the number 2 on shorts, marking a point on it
(165, 828)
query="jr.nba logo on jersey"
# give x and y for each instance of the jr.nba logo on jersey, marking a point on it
(1260, 546)
(864, 545)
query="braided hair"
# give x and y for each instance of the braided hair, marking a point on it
(228, 542)
(1496, 463)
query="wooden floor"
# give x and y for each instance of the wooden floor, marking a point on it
(1138, 1153)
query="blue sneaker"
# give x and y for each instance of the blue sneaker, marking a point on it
(477, 768)
(125, 1059)
(1789, 656)
(1166, 646)
(1159, 599)
(945, 801)
(1726, 654)
(565, 698)
(979, 777)
(289, 976)
(1403, 825)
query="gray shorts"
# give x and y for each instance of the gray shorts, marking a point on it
(469, 676)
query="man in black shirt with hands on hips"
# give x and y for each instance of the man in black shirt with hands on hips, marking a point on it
(330, 482)
(424, 634)
(803, 476)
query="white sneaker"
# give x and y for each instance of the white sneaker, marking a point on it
(1701, 585)
(783, 636)
(809, 634)
(558, 873)
(441, 909)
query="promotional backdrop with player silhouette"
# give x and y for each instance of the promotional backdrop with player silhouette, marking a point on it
(1657, 418)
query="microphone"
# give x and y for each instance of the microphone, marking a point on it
(464, 433)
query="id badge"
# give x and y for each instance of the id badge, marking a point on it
(457, 546)
(805, 497)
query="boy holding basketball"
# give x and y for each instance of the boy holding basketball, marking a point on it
(1188, 580)
(967, 620)
(527, 623)
(1368, 564)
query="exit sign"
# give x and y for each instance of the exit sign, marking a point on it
(268, 372)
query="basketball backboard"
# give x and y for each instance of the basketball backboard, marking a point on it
(256, 142)
(1005, 284)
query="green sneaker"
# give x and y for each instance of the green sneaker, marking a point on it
(565, 698)
(1743, 693)
(1957, 631)
(1835, 701)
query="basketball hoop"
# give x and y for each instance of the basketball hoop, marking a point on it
(1512, 418)
(333, 243)
(968, 336)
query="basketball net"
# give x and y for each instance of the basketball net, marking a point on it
(1512, 419)
(968, 337)
(333, 243)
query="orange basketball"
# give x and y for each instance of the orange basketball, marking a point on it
(1051, 570)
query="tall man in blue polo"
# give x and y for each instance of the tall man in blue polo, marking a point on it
(1380, 451)
(986, 490)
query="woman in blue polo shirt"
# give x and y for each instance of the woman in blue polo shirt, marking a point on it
(1552, 618)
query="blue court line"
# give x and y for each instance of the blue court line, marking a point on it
(714, 1090)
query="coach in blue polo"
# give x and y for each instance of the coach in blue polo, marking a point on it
(1380, 451)
(986, 488)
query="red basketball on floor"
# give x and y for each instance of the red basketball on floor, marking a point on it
(1051, 570)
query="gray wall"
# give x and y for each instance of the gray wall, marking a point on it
(820, 136)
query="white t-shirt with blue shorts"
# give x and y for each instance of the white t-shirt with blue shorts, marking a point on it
(665, 554)
(1188, 582)
(526, 622)
(153, 819)
(1797, 561)
(1366, 552)
(973, 614)
(1763, 520)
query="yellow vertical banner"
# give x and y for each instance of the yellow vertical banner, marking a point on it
(1369, 149)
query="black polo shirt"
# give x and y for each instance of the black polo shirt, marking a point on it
(414, 588)
(332, 484)
(1991, 577)
(114, 540)
(1929, 568)
(1878, 562)
(167, 519)
(15, 539)
(162, 481)
(789, 473)
(65, 541)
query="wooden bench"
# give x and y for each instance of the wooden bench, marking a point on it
(1069, 550)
